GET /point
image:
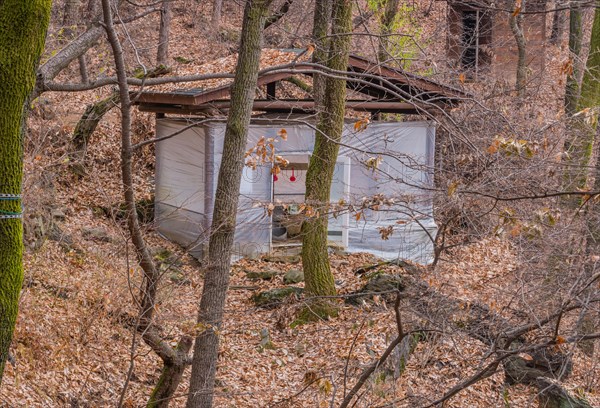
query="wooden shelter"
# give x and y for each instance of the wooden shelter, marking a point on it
(189, 156)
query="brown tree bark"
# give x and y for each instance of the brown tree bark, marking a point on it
(516, 25)
(215, 21)
(320, 32)
(558, 23)
(216, 280)
(315, 259)
(162, 54)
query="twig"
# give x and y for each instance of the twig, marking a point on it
(367, 373)
(349, 355)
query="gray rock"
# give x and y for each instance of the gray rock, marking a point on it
(178, 277)
(293, 276)
(273, 297)
(286, 259)
(265, 340)
(58, 214)
(263, 275)
(384, 285)
(97, 234)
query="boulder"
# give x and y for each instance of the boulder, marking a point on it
(97, 234)
(286, 259)
(293, 276)
(273, 297)
(262, 275)
(383, 285)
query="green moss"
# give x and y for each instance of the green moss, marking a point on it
(23, 27)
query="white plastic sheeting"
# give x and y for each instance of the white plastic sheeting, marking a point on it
(187, 167)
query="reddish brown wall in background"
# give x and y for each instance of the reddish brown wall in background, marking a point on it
(502, 49)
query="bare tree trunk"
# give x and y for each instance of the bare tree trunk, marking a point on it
(215, 21)
(20, 48)
(216, 281)
(174, 359)
(516, 25)
(85, 79)
(71, 16)
(320, 32)
(558, 23)
(575, 40)
(387, 21)
(315, 259)
(162, 55)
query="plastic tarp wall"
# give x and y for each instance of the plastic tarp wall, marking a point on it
(188, 164)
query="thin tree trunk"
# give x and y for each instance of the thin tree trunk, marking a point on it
(71, 17)
(215, 21)
(387, 21)
(320, 32)
(558, 23)
(575, 40)
(22, 37)
(162, 55)
(83, 69)
(174, 359)
(516, 25)
(216, 281)
(315, 259)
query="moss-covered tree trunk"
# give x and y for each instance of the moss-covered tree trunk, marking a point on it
(582, 128)
(315, 259)
(216, 280)
(579, 146)
(23, 26)
(320, 33)
(575, 40)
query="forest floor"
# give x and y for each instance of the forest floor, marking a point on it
(74, 343)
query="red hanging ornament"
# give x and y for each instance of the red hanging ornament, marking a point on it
(275, 177)
(293, 178)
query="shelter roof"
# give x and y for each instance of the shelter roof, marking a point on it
(372, 87)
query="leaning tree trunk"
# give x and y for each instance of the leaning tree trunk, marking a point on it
(216, 280)
(315, 259)
(516, 25)
(24, 25)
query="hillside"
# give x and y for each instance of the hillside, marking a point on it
(75, 343)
